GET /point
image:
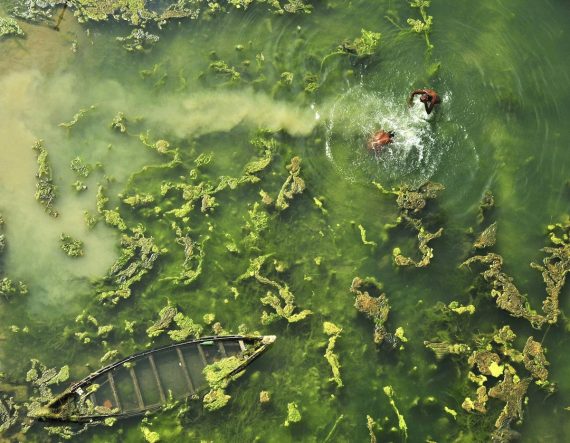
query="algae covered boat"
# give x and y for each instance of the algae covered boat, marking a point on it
(146, 381)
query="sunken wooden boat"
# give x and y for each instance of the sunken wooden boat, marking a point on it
(146, 381)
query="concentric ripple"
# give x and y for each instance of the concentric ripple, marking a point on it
(420, 143)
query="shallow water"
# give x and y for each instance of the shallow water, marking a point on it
(501, 127)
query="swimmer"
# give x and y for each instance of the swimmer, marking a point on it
(428, 97)
(380, 139)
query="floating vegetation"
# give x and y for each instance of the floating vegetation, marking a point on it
(333, 331)
(486, 204)
(442, 349)
(80, 168)
(10, 27)
(412, 201)
(138, 40)
(370, 425)
(72, 247)
(138, 255)
(423, 25)
(8, 288)
(293, 414)
(221, 67)
(76, 118)
(363, 237)
(45, 188)
(119, 122)
(508, 297)
(264, 397)
(186, 328)
(293, 185)
(218, 375)
(166, 315)
(194, 254)
(487, 238)
(424, 238)
(361, 48)
(534, 360)
(375, 308)
(389, 391)
(286, 310)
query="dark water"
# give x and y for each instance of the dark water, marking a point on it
(503, 78)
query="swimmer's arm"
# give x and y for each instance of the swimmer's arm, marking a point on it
(429, 106)
(413, 94)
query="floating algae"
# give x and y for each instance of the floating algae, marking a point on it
(534, 360)
(293, 414)
(293, 185)
(45, 188)
(72, 247)
(375, 308)
(423, 25)
(441, 349)
(412, 201)
(138, 256)
(219, 375)
(487, 238)
(286, 310)
(507, 296)
(10, 27)
(361, 48)
(80, 115)
(8, 287)
(389, 391)
(166, 315)
(333, 331)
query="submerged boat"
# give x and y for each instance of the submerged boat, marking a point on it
(146, 381)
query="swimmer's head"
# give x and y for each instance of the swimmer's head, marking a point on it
(424, 98)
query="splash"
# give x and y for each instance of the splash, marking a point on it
(413, 157)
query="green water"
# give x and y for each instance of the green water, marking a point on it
(501, 127)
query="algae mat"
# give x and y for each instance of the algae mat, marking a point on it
(192, 168)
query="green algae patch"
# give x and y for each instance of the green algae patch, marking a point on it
(218, 375)
(8, 288)
(293, 414)
(487, 203)
(72, 247)
(166, 315)
(365, 241)
(333, 331)
(442, 349)
(138, 40)
(186, 328)
(487, 238)
(283, 303)
(138, 255)
(293, 185)
(150, 436)
(506, 294)
(45, 187)
(535, 360)
(375, 308)
(361, 48)
(9, 27)
(424, 24)
(80, 115)
(389, 391)
(119, 122)
(411, 202)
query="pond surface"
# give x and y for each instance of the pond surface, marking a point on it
(501, 69)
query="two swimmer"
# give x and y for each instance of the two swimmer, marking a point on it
(428, 97)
